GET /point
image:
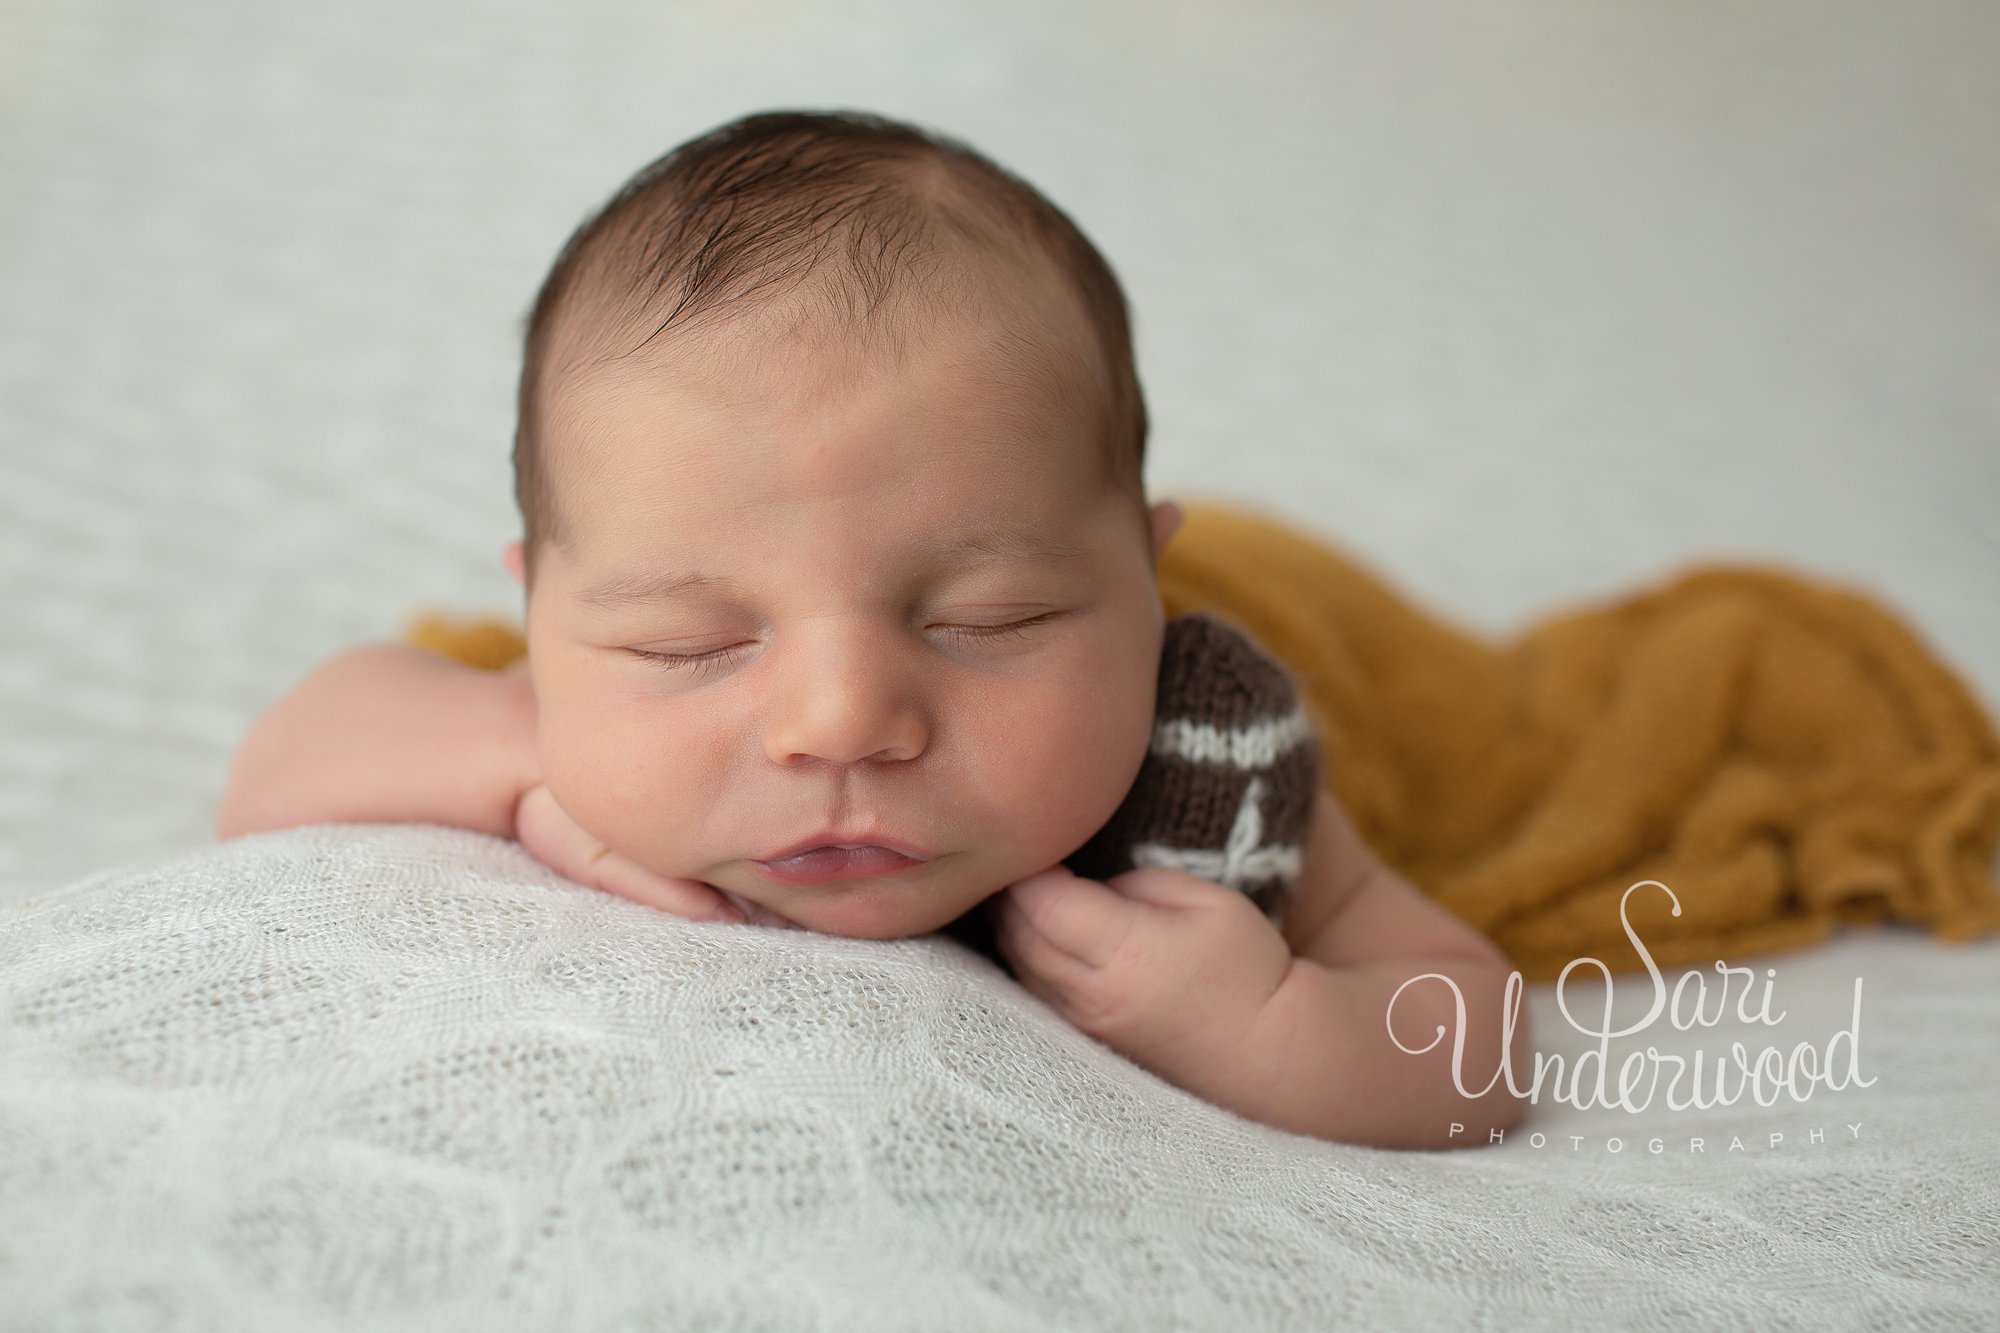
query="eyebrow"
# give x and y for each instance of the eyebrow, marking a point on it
(982, 547)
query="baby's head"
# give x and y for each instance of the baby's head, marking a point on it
(839, 419)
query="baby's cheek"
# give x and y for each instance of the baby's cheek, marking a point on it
(577, 784)
(1065, 760)
(601, 775)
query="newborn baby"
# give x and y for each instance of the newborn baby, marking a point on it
(841, 616)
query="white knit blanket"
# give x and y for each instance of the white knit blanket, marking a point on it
(403, 1077)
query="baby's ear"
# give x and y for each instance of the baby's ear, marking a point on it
(1166, 518)
(511, 558)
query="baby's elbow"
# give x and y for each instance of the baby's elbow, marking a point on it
(237, 815)
(249, 792)
(233, 818)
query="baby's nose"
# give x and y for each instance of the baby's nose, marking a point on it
(853, 702)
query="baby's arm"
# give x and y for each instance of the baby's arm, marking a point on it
(390, 733)
(1189, 979)
(387, 733)
(1360, 931)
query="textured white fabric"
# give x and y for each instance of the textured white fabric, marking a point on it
(402, 1077)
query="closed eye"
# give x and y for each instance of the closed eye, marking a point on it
(703, 664)
(1014, 630)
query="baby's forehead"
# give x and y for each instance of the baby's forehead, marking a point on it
(746, 358)
(828, 312)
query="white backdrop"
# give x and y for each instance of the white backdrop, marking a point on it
(1522, 303)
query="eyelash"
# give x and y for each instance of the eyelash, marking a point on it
(702, 663)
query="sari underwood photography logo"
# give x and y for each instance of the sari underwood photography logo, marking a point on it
(1649, 1077)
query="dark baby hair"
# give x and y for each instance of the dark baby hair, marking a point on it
(762, 201)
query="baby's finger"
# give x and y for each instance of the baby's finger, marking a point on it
(1078, 916)
(566, 847)
(1100, 999)
(1044, 970)
(1167, 887)
(683, 897)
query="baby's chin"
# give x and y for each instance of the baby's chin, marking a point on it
(855, 910)
(756, 913)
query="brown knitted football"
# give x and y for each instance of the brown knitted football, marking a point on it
(1227, 788)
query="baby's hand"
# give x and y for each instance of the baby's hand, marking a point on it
(561, 844)
(1168, 969)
